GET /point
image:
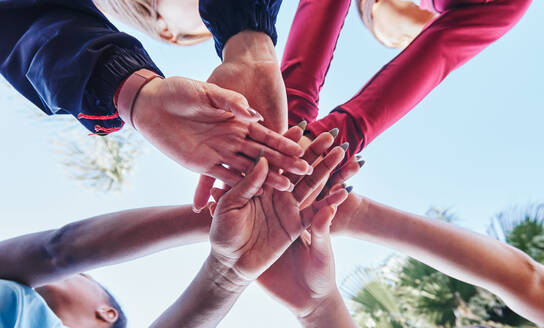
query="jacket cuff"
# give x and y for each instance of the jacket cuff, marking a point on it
(101, 116)
(226, 18)
(349, 131)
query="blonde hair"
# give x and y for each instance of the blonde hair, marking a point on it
(365, 12)
(143, 15)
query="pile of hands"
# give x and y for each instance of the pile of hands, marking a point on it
(282, 238)
(272, 222)
(213, 127)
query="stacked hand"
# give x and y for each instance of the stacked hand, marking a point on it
(262, 233)
(250, 67)
(251, 227)
(206, 128)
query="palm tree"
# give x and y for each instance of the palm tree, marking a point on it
(101, 163)
(98, 163)
(416, 295)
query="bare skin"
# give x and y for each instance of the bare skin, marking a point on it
(395, 23)
(250, 67)
(198, 125)
(250, 231)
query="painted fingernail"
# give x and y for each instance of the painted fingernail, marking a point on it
(345, 146)
(349, 189)
(255, 114)
(291, 188)
(361, 163)
(334, 132)
(261, 153)
(358, 157)
(303, 125)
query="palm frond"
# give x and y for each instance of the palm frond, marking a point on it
(101, 163)
(523, 229)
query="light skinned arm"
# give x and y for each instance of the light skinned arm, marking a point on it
(43, 257)
(465, 255)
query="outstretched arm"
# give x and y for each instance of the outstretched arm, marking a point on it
(460, 253)
(39, 258)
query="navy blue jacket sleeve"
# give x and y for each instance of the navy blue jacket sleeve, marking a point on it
(67, 58)
(225, 18)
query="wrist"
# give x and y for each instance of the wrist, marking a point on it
(360, 217)
(326, 311)
(145, 100)
(250, 47)
(129, 91)
(224, 275)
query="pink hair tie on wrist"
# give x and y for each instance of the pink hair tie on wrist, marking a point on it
(130, 89)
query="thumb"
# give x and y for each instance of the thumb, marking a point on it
(248, 187)
(202, 193)
(320, 247)
(233, 102)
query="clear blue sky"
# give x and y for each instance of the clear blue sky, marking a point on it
(474, 145)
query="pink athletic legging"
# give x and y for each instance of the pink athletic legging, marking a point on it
(463, 29)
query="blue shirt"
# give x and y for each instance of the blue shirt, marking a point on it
(22, 307)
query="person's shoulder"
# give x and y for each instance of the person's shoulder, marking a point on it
(11, 299)
(21, 306)
(12, 289)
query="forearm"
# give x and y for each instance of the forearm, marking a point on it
(207, 300)
(332, 312)
(250, 47)
(43, 257)
(253, 56)
(462, 254)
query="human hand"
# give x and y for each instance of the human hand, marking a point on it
(250, 67)
(198, 124)
(354, 205)
(250, 232)
(304, 276)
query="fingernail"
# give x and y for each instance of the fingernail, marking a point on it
(310, 170)
(349, 189)
(303, 125)
(261, 153)
(334, 132)
(344, 146)
(358, 157)
(196, 210)
(255, 114)
(344, 185)
(291, 188)
(361, 163)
